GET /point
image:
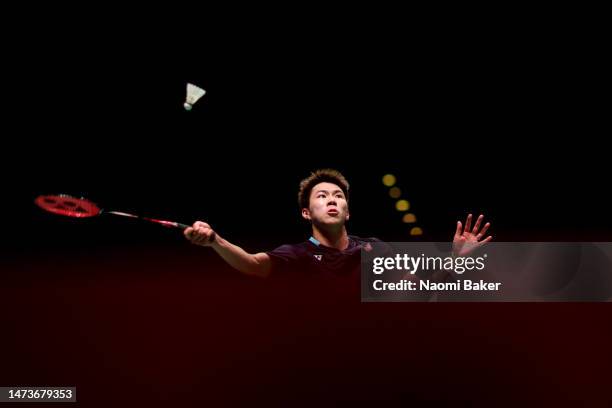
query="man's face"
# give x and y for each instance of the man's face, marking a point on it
(328, 205)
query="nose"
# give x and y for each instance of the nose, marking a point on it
(332, 201)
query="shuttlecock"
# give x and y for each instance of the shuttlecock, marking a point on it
(194, 93)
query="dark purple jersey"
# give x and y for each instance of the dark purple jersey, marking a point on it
(312, 257)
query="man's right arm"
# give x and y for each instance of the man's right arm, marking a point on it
(250, 264)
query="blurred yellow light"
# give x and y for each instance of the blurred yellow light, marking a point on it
(409, 218)
(395, 192)
(416, 231)
(389, 180)
(402, 205)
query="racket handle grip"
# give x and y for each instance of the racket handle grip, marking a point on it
(169, 224)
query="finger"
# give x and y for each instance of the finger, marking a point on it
(468, 223)
(458, 232)
(198, 224)
(487, 239)
(200, 240)
(477, 225)
(188, 232)
(484, 230)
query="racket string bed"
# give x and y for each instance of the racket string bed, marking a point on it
(69, 206)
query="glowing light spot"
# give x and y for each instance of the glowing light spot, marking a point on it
(402, 205)
(389, 180)
(395, 192)
(409, 218)
(416, 231)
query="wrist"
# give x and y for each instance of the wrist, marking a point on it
(218, 242)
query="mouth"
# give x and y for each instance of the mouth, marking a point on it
(333, 211)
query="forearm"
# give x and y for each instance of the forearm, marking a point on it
(238, 258)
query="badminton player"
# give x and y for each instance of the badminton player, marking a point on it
(323, 198)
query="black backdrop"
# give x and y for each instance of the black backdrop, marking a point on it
(503, 125)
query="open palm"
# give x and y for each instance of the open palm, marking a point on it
(468, 239)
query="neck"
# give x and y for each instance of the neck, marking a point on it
(333, 238)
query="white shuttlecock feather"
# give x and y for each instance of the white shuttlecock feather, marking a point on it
(194, 93)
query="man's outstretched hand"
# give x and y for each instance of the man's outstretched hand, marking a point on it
(200, 234)
(468, 239)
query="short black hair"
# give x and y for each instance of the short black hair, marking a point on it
(321, 176)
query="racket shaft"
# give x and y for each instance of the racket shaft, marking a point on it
(169, 224)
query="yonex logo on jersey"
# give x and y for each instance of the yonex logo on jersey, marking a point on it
(319, 257)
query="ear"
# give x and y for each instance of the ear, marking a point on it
(306, 213)
(347, 216)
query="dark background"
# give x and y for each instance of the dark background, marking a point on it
(504, 122)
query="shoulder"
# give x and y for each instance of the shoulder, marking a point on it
(371, 243)
(290, 251)
(361, 240)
